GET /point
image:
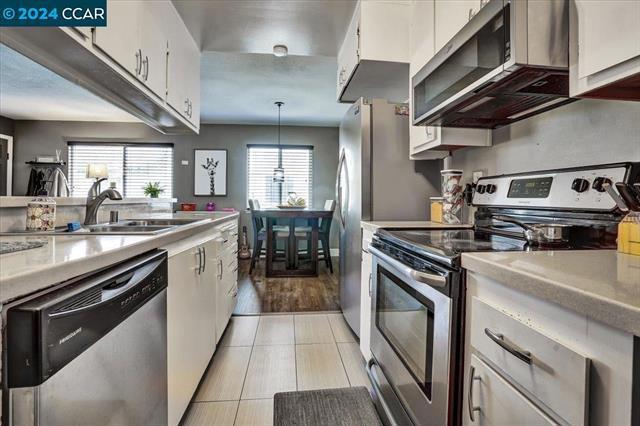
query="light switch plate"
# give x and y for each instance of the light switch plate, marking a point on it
(185, 162)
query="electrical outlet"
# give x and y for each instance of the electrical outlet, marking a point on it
(477, 175)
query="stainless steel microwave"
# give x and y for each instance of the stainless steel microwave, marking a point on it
(509, 62)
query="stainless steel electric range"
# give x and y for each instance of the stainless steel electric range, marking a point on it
(418, 285)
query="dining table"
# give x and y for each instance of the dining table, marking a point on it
(274, 216)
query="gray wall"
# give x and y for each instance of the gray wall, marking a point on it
(582, 133)
(6, 126)
(44, 137)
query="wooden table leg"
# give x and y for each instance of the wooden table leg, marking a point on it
(269, 261)
(314, 246)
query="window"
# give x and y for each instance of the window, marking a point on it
(130, 166)
(297, 162)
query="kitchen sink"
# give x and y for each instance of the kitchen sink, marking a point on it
(127, 229)
(123, 227)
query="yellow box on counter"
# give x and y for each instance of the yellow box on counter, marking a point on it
(629, 235)
(436, 209)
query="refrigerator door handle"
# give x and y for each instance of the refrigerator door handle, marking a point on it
(341, 218)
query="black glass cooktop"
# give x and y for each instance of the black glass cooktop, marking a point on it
(450, 243)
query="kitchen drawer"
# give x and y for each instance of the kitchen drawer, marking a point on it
(555, 375)
(491, 400)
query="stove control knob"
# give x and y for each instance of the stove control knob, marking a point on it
(480, 189)
(491, 188)
(580, 185)
(598, 183)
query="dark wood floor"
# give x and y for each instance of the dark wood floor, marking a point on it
(258, 294)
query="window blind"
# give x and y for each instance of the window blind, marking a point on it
(297, 162)
(131, 166)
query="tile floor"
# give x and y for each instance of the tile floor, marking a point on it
(259, 356)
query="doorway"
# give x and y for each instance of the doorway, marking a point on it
(6, 154)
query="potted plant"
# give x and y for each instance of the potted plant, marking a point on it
(153, 189)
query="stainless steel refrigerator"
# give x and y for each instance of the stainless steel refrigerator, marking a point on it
(376, 180)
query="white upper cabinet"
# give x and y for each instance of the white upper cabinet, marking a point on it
(135, 39)
(120, 38)
(183, 70)
(451, 16)
(126, 62)
(429, 142)
(373, 60)
(152, 24)
(605, 49)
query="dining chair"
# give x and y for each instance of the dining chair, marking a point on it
(260, 235)
(324, 232)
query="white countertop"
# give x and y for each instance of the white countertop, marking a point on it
(6, 202)
(67, 256)
(373, 225)
(601, 284)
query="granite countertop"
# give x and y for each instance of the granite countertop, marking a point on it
(601, 284)
(373, 225)
(67, 256)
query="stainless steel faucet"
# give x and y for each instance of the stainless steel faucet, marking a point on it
(95, 200)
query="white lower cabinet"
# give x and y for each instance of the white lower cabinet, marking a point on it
(365, 296)
(531, 362)
(201, 297)
(190, 325)
(226, 276)
(491, 400)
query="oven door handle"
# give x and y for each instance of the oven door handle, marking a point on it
(433, 280)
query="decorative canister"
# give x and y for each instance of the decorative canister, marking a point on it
(452, 196)
(211, 207)
(41, 214)
(188, 207)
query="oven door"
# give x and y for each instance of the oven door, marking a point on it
(410, 341)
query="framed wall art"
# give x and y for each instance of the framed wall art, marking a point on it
(210, 172)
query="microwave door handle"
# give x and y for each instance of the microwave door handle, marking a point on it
(433, 280)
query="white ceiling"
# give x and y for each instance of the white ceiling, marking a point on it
(240, 78)
(242, 88)
(29, 91)
(307, 27)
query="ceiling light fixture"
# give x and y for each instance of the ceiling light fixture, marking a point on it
(280, 50)
(278, 172)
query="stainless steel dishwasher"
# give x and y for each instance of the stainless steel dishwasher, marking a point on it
(93, 352)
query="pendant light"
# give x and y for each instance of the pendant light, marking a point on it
(278, 172)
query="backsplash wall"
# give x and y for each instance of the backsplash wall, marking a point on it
(582, 133)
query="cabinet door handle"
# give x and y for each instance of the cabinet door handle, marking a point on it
(199, 254)
(472, 379)
(186, 106)
(204, 261)
(522, 355)
(471, 13)
(138, 62)
(146, 68)
(370, 286)
(220, 268)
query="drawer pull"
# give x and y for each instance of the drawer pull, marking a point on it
(524, 356)
(472, 379)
